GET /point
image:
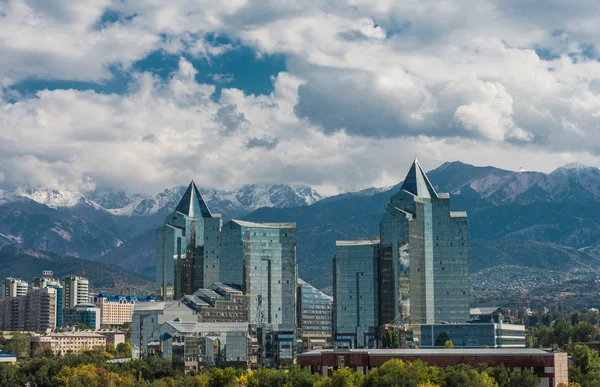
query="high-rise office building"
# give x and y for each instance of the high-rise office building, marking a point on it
(187, 247)
(356, 283)
(47, 281)
(422, 243)
(419, 224)
(75, 291)
(14, 287)
(260, 259)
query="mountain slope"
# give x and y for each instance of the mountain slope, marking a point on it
(532, 254)
(26, 263)
(504, 207)
(69, 223)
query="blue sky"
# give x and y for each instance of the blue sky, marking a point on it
(340, 95)
(239, 68)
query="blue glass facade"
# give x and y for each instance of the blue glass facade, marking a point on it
(355, 292)
(473, 335)
(430, 243)
(260, 259)
(314, 310)
(420, 260)
(187, 247)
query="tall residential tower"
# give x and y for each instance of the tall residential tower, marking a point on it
(187, 247)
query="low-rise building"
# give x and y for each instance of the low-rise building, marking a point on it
(86, 314)
(69, 342)
(147, 316)
(7, 357)
(218, 303)
(202, 344)
(113, 337)
(115, 310)
(473, 335)
(486, 314)
(550, 367)
(276, 344)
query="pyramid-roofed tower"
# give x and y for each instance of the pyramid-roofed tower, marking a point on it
(192, 204)
(417, 183)
(187, 247)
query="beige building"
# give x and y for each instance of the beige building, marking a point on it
(35, 311)
(70, 342)
(113, 337)
(14, 287)
(115, 311)
(76, 291)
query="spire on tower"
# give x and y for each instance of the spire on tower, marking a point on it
(192, 203)
(417, 183)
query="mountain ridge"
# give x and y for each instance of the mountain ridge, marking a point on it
(504, 207)
(242, 200)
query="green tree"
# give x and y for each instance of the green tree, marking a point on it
(389, 339)
(449, 344)
(585, 359)
(561, 334)
(575, 317)
(267, 377)
(19, 344)
(584, 332)
(9, 375)
(302, 377)
(466, 376)
(441, 339)
(222, 378)
(342, 377)
(396, 372)
(529, 342)
(525, 378)
(544, 337)
(124, 349)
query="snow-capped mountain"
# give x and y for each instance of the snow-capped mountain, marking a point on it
(49, 197)
(229, 203)
(570, 182)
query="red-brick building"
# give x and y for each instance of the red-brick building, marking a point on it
(550, 367)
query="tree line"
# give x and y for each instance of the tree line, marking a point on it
(91, 370)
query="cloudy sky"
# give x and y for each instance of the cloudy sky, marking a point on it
(339, 94)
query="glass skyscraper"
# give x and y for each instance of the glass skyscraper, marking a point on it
(422, 255)
(260, 259)
(187, 247)
(419, 225)
(356, 301)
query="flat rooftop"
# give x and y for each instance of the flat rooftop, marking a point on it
(264, 225)
(361, 242)
(436, 352)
